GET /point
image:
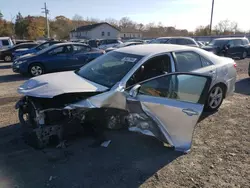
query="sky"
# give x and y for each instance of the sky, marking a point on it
(182, 14)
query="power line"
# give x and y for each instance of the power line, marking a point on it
(46, 12)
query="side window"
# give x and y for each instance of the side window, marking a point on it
(181, 41)
(205, 62)
(182, 87)
(152, 68)
(231, 43)
(189, 41)
(61, 50)
(108, 33)
(80, 48)
(237, 43)
(172, 41)
(103, 33)
(5, 42)
(187, 61)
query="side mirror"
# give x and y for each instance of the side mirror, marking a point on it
(134, 90)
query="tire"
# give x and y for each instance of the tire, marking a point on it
(244, 55)
(7, 58)
(36, 69)
(215, 98)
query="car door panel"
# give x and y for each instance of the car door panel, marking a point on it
(175, 118)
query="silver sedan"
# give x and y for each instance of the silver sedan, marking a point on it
(163, 87)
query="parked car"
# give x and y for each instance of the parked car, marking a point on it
(156, 89)
(58, 57)
(5, 42)
(123, 45)
(135, 40)
(107, 43)
(176, 40)
(6, 54)
(23, 41)
(201, 44)
(229, 47)
(42, 46)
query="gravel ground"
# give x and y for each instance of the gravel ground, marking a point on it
(220, 155)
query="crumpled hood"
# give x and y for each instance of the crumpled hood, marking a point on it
(50, 85)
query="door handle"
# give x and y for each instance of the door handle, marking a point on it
(190, 112)
(212, 72)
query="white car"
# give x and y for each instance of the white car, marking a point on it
(161, 88)
(108, 43)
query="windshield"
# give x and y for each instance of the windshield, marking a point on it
(42, 46)
(109, 69)
(218, 43)
(44, 50)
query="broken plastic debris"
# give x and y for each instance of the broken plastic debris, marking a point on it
(106, 143)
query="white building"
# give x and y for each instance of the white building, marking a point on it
(129, 33)
(95, 31)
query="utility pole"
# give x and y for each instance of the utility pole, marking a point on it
(211, 20)
(46, 12)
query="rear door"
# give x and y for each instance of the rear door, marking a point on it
(58, 58)
(174, 102)
(189, 61)
(233, 48)
(80, 56)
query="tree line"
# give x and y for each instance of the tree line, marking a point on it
(33, 27)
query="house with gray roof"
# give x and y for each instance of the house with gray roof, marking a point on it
(95, 31)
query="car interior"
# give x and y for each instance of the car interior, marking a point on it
(156, 66)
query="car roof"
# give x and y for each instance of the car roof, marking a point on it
(175, 38)
(149, 49)
(65, 43)
(232, 38)
(4, 38)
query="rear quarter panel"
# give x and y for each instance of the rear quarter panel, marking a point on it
(226, 73)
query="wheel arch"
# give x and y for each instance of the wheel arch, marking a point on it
(224, 87)
(36, 62)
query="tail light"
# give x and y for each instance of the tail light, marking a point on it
(235, 64)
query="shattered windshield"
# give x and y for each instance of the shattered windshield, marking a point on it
(109, 69)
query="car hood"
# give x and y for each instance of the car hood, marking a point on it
(51, 85)
(25, 57)
(21, 49)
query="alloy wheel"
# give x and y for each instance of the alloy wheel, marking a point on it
(215, 97)
(36, 70)
(7, 58)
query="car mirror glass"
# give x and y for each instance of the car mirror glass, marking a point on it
(134, 90)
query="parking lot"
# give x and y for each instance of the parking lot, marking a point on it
(220, 154)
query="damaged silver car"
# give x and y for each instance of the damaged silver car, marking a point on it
(135, 87)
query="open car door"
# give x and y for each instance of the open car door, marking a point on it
(174, 102)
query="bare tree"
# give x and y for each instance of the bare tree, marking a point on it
(126, 22)
(112, 21)
(77, 20)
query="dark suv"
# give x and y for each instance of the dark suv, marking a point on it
(229, 47)
(176, 40)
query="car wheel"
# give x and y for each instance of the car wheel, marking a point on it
(36, 69)
(215, 98)
(7, 58)
(244, 55)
